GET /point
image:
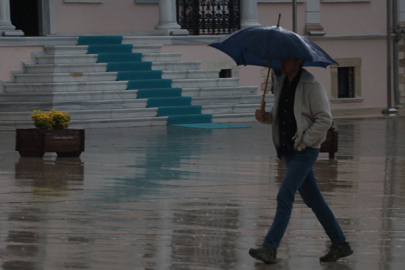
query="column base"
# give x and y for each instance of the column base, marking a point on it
(11, 33)
(169, 32)
(314, 29)
(247, 24)
(6, 25)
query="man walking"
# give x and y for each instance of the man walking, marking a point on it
(300, 119)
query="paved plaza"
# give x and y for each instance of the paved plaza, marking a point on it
(170, 198)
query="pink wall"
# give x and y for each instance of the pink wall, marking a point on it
(372, 54)
(373, 69)
(362, 18)
(336, 18)
(14, 56)
(267, 15)
(124, 16)
(354, 18)
(112, 16)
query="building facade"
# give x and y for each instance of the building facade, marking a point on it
(353, 32)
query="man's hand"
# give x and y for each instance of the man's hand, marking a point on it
(261, 115)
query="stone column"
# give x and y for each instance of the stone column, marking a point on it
(47, 22)
(249, 14)
(6, 27)
(168, 25)
(313, 18)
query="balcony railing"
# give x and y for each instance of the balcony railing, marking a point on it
(209, 17)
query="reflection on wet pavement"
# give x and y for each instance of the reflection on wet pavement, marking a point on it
(177, 198)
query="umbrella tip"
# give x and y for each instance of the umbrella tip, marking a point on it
(279, 17)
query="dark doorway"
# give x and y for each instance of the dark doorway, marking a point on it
(25, 16)
(225, 73)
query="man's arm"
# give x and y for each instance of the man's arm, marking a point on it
(320, 109)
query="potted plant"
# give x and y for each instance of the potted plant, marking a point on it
(50, 135)
(330, 145)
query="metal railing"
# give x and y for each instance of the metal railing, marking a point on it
(208, 17)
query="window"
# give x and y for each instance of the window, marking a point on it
(346, 82)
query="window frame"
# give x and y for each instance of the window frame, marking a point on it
(355, 63)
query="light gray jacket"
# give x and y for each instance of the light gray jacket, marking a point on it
(311, 111)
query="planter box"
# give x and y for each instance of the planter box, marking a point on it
(34, 142)
(330, 145)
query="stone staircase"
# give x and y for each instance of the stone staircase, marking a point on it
(66, 78)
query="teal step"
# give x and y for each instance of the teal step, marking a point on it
(145, 84)
(148, 82)
(96, 49)
(189, 119)
(139, 75)
(130, 66)
(179, 110)
(159, 92)
(169, 101)
(92, 40)
(119, 57)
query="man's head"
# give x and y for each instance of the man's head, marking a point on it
(291, 67)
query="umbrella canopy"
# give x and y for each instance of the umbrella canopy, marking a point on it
(260, 44)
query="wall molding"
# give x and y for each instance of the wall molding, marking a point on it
(303, 1)
(345, 1)
(279, 1)
(84, 1)
(146, 1)
(146, 37)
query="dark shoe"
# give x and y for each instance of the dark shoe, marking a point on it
(264, 253)
(335, 252)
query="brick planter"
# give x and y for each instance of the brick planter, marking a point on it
(330, 145)
(34, 142)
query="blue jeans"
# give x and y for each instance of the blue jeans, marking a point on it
(300, 176)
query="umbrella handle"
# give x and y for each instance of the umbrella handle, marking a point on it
(265, 88)
(279, 17)
(262, 104)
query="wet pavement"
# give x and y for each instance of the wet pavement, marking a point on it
(178, 198)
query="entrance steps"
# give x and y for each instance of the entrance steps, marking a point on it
(69, 79)
(102, 67)
(103, 76)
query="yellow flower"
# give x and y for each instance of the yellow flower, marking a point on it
(50, 120)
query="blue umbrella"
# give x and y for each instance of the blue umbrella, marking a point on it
(261, 45)
(266, 45)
